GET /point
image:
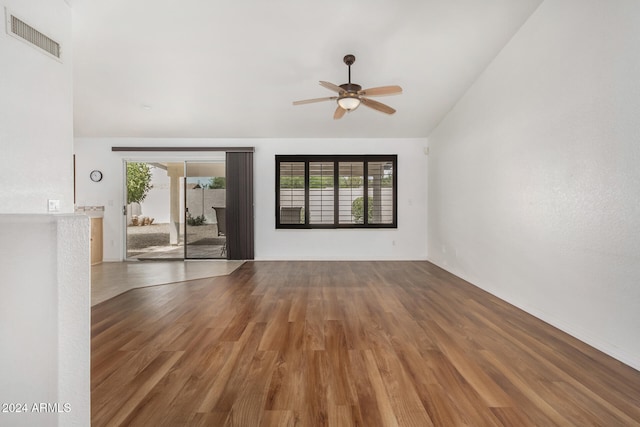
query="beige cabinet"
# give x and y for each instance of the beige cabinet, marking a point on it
(96, 241)
(95, 214)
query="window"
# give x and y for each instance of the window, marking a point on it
(329, 191)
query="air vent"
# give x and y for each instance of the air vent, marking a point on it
(20, 29)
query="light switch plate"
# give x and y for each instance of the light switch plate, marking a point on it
(54, 205)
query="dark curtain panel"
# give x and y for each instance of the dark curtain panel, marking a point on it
(239, 213)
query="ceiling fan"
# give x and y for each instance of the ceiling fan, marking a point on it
(351, 95)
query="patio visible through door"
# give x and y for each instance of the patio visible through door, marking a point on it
(205, 203)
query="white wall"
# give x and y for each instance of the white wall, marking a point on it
(45, 319)
(156, 204)
(534, 176)
(44, 259)
(408, 241)
(36, 116)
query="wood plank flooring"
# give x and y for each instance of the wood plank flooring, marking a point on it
(344, 344)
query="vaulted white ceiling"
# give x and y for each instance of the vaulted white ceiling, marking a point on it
(231, 69)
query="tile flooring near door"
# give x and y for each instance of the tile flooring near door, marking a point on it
(152, 242)
(194, 251)
(110, 279)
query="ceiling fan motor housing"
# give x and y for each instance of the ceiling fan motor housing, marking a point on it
(351, 87)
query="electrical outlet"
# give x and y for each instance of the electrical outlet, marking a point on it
(53, 205)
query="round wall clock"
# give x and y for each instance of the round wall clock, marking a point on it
(95, 175)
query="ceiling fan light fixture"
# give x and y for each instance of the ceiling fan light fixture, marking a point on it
(349, 103)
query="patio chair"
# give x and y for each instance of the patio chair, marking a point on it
(222, 227)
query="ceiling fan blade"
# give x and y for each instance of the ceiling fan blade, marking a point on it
(309, 101)
(380, 91)
(377, 105)
(331, 86)
(339, 113)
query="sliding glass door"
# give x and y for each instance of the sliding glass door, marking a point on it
(190, 209)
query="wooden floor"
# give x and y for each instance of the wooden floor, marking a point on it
(344, 343)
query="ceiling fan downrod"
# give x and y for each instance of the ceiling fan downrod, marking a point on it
(349, 60)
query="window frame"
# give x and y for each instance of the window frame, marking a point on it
(336, 159)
